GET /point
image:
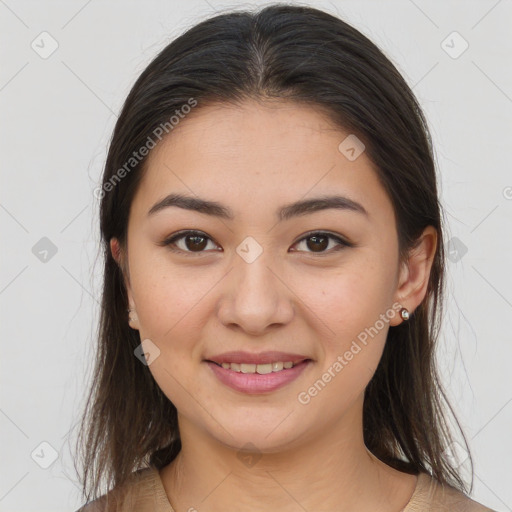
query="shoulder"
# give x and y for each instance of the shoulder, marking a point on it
(137, 493)
(431, 495)
(97, 505)
(93, 506)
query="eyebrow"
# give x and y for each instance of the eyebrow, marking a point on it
(299, 208)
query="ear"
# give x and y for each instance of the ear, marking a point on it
(120, 258)
(415, 273)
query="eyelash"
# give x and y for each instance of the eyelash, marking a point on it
(170, 242)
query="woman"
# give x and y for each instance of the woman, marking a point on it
(273, 286)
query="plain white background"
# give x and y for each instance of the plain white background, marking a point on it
(58, 112)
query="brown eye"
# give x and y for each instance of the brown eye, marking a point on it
(318, 242)
(190, 242)
(187, 242)
(195, 242)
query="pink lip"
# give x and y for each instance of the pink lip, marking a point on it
(261, 358)
(254, 383)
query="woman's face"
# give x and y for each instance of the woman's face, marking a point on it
(258, 281)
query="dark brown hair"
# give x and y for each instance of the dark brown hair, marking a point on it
(308, 56)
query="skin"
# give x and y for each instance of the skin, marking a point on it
(255, 158)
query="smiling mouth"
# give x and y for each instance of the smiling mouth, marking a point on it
(261, 369)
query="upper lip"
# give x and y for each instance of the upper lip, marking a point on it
(260, 358)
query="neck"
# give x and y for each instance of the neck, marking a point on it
(331, 471)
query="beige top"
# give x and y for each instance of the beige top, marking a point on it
(149, 496)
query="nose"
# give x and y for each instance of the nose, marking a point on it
(256, 298)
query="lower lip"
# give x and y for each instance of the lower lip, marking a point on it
(255, 383)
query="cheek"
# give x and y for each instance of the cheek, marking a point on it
(170, 298)
(173, 307)
(348, 300)
(349, 306)
(351, 347)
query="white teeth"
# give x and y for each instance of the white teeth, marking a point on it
(247, 368)
(258, 368)
(264, 368)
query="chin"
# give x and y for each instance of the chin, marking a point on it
(267, 437)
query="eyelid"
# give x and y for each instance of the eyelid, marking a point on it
(169, 241)
(341, 241)
(329, 234)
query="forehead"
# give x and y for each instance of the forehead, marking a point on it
(256, 155)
